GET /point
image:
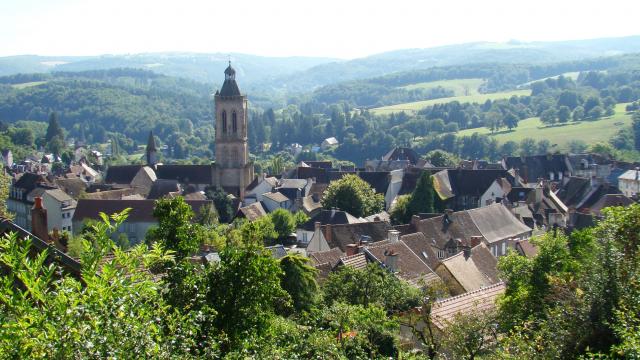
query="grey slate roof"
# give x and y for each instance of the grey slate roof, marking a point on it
(496, 222)
(419, 244)
(409, 266)
(402, 153)
(162, 188)
(276, 196)
(186, 174)
(333, 217)
(252, 212)
(277, 251)
(475, 272)
(121, 174)
(230, 87)
(331, 257)
(141, 210)
(342, 235)
(539, 166)
(493, 222)
(478, 301)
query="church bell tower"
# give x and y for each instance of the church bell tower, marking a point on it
(232, 170)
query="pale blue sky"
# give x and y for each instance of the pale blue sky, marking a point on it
(335, 28)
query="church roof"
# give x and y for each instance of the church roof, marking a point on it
(151, 143)
(230, 87)
(230, 70)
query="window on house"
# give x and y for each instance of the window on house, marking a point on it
(504, 248)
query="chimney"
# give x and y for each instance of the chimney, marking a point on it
(467, 252)
(475, 241)
(391, 260)
(39, 226)
(327, 233)
(446, 219)
(393, 235)
(352, 249)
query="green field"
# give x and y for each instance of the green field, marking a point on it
(460, 87)
(571, 75)
(560, 135)
(478, 98)
(28, 84)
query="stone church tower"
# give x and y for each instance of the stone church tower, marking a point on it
(232, 170)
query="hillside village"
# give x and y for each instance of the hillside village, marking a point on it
(480, 211)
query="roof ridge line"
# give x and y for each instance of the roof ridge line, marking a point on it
(471, 292)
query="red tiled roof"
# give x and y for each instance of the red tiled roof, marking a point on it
(357, 261)
(444, 311)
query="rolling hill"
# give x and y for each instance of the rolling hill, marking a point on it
(513, 52)
(303, 74)
(560, 136)
(476, 98)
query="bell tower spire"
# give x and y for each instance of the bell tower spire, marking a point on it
(233, 167)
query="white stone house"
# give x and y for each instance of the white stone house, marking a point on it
(629, 183)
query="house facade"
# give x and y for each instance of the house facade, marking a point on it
(629, 183)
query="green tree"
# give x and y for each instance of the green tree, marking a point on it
(549, 116)
(564, 113)
(511, 120)
(578, 113)
(441, 158)
(175, 230)
(54, 130)
(470, 335)
(577, 146)
(299, 280)
(117, 311)
(5, 183)
(423, 197)
(399, 213)
(283, 222)
(596, 112)
(245, 292)
(509, 148)
(353, 195)
(543, 146)
(636, 130)
(373, 285)
(527, 146)
(22, 136)
(222, 203)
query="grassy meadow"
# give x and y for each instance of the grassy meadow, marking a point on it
(589, 131)
(475, 98)
(27, 84)
(460, 87)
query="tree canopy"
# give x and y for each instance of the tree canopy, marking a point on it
(353, 195)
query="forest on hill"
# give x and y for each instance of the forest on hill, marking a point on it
(294, 75)
(122, 105)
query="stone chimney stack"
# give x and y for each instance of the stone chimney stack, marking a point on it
(467, 252)
(352, 249)
(475, 241)
(39, 226)
(393, 236)
(391, 260)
